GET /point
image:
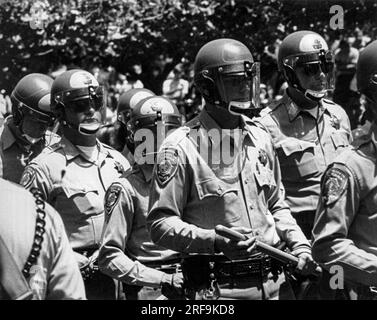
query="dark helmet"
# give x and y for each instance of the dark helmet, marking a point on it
(310, 50)
(222, 58)
(128, 100)
(31, 95)
(366, 72)
(77, 89)
(159, 115)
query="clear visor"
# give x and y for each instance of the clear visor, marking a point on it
(240, 89)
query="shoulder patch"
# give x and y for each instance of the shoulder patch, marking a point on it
(27, 177)
(111, 199)
(334, 183)
(167, 165)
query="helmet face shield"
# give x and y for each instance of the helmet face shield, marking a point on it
(238, 86)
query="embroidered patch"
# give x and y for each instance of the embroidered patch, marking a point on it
(27, 177)
(334, 184)
(167, 165)
(262, 157)
(111, 199)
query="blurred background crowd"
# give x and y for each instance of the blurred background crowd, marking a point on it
(152, 44)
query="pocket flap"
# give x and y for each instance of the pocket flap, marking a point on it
(291, 145)
(213, 188)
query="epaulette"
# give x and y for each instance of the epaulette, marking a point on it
(193, 123)
(107, 146)
(272, 106)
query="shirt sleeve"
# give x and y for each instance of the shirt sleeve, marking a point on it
(65, 281)
(335, 214)
(112, 258)
(166, 204)
(34, 176)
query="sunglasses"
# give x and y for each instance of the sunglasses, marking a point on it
(84, 105)
(312, 69)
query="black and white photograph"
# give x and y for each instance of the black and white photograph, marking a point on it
(188, 154)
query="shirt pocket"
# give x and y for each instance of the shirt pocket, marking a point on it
(219, 202)
(86, 199)
(297, 159)
(340, 139)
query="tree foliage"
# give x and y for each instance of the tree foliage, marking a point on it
(37, 36)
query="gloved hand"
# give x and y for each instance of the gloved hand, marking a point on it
(172, 285)
(306, 265)
(236, 249)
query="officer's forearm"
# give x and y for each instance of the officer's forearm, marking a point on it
(358, 265)
(289, 231)
(173, 233)
(114, 263)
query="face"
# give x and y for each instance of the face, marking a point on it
(33, 127)
(84, 112)
(311, 77)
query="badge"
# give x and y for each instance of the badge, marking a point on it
(27, 177)
(111, 198)
(262, 157)
(118, 166)
(335, 182)
(167, 165)
(335, 122)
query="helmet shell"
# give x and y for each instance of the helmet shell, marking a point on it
(32, 95)
(366, 71)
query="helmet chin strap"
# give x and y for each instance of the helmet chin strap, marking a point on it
(86, 129)
(238, 108)
(315, 95)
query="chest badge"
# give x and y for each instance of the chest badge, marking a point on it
(262, 157)
(335, 122)
(118, 166)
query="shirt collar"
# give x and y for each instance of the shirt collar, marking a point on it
(210, 124)
(294, 110)
(71, 151)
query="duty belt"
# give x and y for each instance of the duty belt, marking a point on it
(197, 269)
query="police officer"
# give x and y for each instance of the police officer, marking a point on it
(307, 130)
(36, 260)
(196, 187)
(127, 252)
(344, 233)
(127, 101)
(24, 133)
(74, 174)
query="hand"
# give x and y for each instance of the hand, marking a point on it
(172, 285)
(234, 249)
(306, 265)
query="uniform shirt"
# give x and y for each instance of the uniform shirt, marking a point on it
(56, 274)
(345, 229)
(305, 146)
(205, 190)
(126, 244)
(76, 187)
(15, 155)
